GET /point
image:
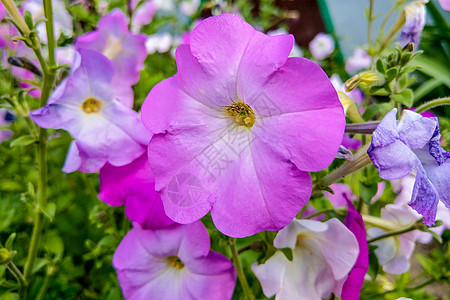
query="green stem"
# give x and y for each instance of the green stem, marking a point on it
(44, 287)
(323, 211)
(41, 148)
(388, 16)
(240, 272)
(369, 23)
(48, 11)
(393, 233)
(422, 285)
(433, 103)
(16, 272)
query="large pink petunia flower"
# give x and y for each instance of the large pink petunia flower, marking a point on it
(126, 50)
(238, 128)
(134, 186)
(173, 263)
(104, 130)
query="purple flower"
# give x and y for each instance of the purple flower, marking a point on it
(412, 146)
(321, 46)
(143, 15)
(414, 14)
(360, 59)
(238, 120)
(5, 119)
(126, 50)
(354, 282)
(134, 186)
(323, 254)
(103, 128)
(172, 263)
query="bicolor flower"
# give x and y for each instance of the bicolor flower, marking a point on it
(245, 124)
(104, 130)
(62, 19)
(394, 252)
(412, 146)
(124, 49)
(172, 263)
(321, 46)
(359, 60)
(414, 14)
(323, 254)
(134, 186)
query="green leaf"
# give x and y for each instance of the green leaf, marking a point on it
(373, 263)
(402, 81)
(52, 242)
(429, 266)
(288, 253)
(367, 191)
(433, 68)
(380, 66)
(426, 88)
(28, 19)
(50, 210)
(22, 141)
(9, 242)
(406, 57)
(405, 97)
(391, 74)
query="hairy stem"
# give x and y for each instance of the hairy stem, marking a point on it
(433, 103)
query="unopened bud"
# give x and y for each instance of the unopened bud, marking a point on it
(5, 256)
(366, 79)
(408, 47)
(350, 109)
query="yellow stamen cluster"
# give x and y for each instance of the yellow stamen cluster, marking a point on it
(241, 112)
(91, 105)
(175, 262)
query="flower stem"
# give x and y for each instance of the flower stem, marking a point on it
(369, 23)
(433, 103)
(41, 148)
(16, 272)
(240, 272)
(393, 233)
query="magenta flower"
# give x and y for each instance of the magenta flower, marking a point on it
(173, 263)
(244, 123)
(323, 254)
(412, 146)
(134, 186)
(103, 128)
(126, 50)
(354, 282)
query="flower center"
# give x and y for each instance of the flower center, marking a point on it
(175, 262)
(91, 105)
(241, 112)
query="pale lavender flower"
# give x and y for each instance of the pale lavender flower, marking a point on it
(104, 130)
(394, 252)
(172, 263)
(143, 15)
(323, 255)
(359, 60)
(445, 4)
(124, 49)
(414, 13)
(412, 146)
(321, 46)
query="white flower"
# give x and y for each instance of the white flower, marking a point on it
(323, 255)
(160, 42)
(321, 46)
